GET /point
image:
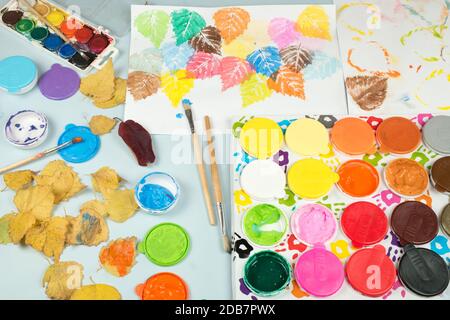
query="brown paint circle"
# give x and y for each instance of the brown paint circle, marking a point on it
(445, 220)
(440, 174)
(398, 135)
(406, 177)
(414, 223)
(12, 17)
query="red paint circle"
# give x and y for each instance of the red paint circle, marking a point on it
(364, 223)
(98, 43)
(371, 272)
(84, 34)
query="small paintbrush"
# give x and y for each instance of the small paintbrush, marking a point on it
(41, 155)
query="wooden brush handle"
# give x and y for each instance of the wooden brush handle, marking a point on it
(214, 168)
(20, 163)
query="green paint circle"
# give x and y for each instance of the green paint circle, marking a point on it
(267, 273)
(39, 34)
(265, 225)
(165, 244)
(25, 25)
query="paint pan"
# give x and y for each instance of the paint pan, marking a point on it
(358, 178)
(267, 273)
(406, 178)
(163, 286)
(445, 220)
(18, 75)
(56, 18)
(436, 134)
(12, 17)
(26, 129)
(307, 137)
(263, 180)
(84, 34)
(42, 8)
(53, 43)
(39, 34)
(166, 244)
(371, 272)
(261, 138)
(364, 223)
(311, 178)
(353, 137)
(98, 43)
(440, 175)
(59, 83)
(80, 152)
(398, 135)
(66, 51)
(70, 26)
(265, 225)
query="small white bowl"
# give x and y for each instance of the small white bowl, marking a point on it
(26, 129)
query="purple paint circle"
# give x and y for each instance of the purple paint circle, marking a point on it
(59, 83)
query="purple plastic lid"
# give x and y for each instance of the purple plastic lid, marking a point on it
(59, 83)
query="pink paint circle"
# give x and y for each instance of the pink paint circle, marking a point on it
(313, 224)
(319, 272)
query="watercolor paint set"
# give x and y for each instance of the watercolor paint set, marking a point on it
(340, 207)
(94, 41)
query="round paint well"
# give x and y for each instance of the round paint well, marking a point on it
(163, 286)
(440, 175)
(165, 244)
(67, 51)
(307, 137)
(39, 34)
(371, 272)
(263, 180)
(398, 135)
(267, 273)
(311, 178)
(84, 34)
(11, 17)
(319, 272)
(26, 129)
(80, 152)
(414, 223)
(261, 138)
(264, 225)
(445, 220)
(70, 26)
(157, 192)
(55, 18)
(314, 224)
(364, 223)
(423, 271)
(436, 134)
(18, 75)
(53, 42)
(358, 178)
(406, 178)
(353, 137)
(59, 83)
(25, 26)
(80, 62)
(98, 43)
(42, 8)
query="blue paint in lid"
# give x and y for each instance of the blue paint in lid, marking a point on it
(53, 42)
(80, 152)
(17, 73)
(67, 51)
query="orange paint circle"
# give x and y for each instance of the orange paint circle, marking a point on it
(406, 177)
(398, 135)
(69, 27)
(163, 286)
(358, 178)
(353, 136)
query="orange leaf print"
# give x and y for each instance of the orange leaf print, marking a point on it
(118, 257)
(287, 82)
(231, 22)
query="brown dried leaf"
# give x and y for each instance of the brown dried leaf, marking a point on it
(142, 84)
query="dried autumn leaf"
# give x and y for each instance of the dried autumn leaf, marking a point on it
(37, 201)
(121, 205)
(119, 256)
(119, 96)
(19, 226)
(62, 279)
(208, 40)
(369, 92)
(100, 125)
(142, 84)
(94, 206)
(287, 82)
(105, 180)
(63, 181)
(19, 179)
(4, 228)
(232, 22)
(89, 229)
(139, 141)
(96, 292)
(100, 86)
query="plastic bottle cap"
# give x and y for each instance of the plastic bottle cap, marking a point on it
(80, 152)
(17, 73)
(163, 286)
(59, 83)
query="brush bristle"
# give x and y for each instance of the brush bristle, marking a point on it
(226, 244)
(187, 104)
(77, 140)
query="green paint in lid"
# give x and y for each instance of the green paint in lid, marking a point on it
(25, 25)
(39, 34)
(165, 244)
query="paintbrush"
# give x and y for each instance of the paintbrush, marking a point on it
(216, 185)
(53, 28)
(41, 155)
(199, 161)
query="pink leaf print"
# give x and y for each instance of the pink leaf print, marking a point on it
(204, 65)
(282, 31)
(312, 44)
(233, 71)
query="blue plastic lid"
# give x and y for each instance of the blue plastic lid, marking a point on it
(53, 42)
(16, 73)
(80, 152)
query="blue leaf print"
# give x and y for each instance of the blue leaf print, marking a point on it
(176, 57)
(322, 66)
(266, 60)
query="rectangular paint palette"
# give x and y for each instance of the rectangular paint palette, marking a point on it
(97, 43)
(340, 245)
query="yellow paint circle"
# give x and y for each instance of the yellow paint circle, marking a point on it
(56, 18)
(311, 178)
(261, 138)
(307, 137)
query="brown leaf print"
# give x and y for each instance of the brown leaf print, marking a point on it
(208, 40)
(369, 92)
(142, 84)
(296, 57)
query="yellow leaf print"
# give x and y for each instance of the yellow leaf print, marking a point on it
(314, 22)
(176, 85)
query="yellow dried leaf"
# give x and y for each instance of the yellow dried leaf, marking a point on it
(118, 98)
(121, 205)
(4, 228)
(105, 180)
(19, 226)
(63, 181)
(96, 292)
(94, 206)
(37, 200)
(19, 179)
(119, 256)
(37, 236)
(62, 279)
(100, 85)
(100, 125)
(89, 229)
